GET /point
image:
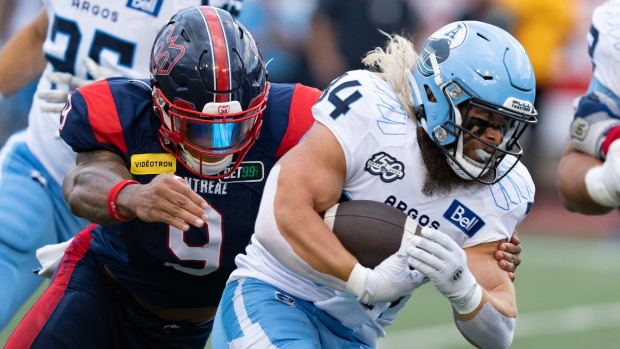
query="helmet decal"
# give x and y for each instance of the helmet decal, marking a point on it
(162, 62)
(452, 37)
(220, 53)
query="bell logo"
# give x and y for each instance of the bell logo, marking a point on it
(463, 218)
(223, 109)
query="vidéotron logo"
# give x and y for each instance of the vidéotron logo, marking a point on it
(386, 166)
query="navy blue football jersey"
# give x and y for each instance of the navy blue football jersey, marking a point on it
(157, 262)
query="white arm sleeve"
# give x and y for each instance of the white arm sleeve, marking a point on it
(489, 328)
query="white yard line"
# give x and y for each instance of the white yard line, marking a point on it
(567, 320)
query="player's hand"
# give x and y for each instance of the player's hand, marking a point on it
(168, 199)
(232, 6)
(54, 100)
(603, 182)
(508, 255)
(444, 262)
(387, 282)
(596, 115)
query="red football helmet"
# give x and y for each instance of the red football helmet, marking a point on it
(210, 89)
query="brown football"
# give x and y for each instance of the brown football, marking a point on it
(370, 230)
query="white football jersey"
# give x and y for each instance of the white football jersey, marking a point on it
(118, 34)
(384, 164)
(604, 47)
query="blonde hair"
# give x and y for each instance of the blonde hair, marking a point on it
(390, 63)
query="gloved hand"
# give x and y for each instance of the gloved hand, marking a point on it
(603, 182)
(232, 6)
(55, 99)
(596, 124)
(387, 282)
(444, 262)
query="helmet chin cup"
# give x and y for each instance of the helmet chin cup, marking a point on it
(206, 168)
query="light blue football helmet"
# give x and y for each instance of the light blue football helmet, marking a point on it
(486, 67)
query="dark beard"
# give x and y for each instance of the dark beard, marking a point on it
(440, 178)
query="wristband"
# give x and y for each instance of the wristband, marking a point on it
(113, 194)
(470, 302)
(612, 135)
(357, 281)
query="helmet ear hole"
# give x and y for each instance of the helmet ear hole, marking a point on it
(430, 95)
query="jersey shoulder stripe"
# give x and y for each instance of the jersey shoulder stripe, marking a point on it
(300, 116)
(103, 115)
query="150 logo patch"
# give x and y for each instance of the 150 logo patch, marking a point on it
(386, 166)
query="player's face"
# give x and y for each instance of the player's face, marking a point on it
(489, 127)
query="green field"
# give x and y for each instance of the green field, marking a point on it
(568, 292)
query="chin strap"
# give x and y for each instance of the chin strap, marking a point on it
(436, 70)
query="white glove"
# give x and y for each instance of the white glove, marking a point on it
(444, 262)
(55, 99)
(603, 182)
(387, 282)
(595, 115)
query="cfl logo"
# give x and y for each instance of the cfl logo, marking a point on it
(457, 273)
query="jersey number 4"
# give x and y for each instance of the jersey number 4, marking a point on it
(207, 255)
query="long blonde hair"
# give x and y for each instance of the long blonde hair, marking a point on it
(390, 63)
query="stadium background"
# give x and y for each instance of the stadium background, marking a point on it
(568, 286)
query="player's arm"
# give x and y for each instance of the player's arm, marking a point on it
(310, 179)
(492, 323)
(482, 295)
(571, 184)
(90, 186)
(21, 58)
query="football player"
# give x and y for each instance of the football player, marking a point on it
(588, 175)
(436, 134)
(69, 44)
(151, 154)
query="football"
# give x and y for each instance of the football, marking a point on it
(370, 230)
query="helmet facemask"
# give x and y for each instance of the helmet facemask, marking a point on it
(206, 141)
(482, 133)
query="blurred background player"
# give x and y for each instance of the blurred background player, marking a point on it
(14, 15)
(68, 44)
(588, 175)
(150, 157)
(436, 133)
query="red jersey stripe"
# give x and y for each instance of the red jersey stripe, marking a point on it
(24, 336)
(300, 116)
(220, 51)
(103, 116)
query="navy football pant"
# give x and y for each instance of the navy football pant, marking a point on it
(85, 308)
